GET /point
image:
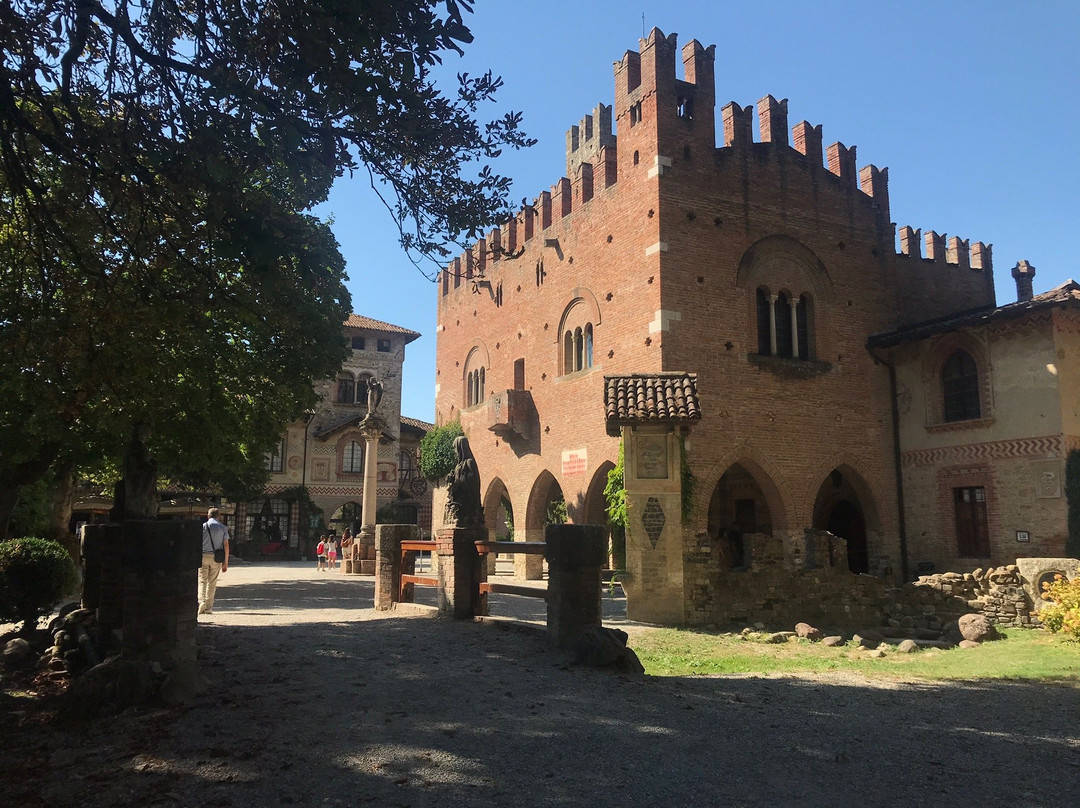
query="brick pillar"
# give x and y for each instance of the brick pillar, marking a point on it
(91, 552)
(161, 562)
(110, 605)
(388, 566)
(575, 556)
(460, 571)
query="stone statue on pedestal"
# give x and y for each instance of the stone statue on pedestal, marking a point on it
(463, 508)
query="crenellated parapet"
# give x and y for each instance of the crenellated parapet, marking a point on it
(806, 139)
(587, 140)
(953, 250)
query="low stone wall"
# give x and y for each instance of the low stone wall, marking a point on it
(935, 602)
(788, 579)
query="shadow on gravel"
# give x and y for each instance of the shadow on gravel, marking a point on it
(329, 592)
(434, 712)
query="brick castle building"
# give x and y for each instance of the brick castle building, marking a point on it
(763, 267)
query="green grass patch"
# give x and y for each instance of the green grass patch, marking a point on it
(1022, 654)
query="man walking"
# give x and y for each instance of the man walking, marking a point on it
(215, 559)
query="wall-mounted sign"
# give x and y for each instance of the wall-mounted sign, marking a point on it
(1023, 535)
(575, 462)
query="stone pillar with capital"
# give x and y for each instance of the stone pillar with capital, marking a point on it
(372, 428)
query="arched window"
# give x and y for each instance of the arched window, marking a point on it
(783, 325)
(764, 330)
(352, 461)
(588, 345)
(802, 329)
(568, 352)
(345, 389)
(475, 377)
(406, 463)
(579, 349)
(960, 387)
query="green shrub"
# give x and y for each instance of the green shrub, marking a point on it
(437, 457)
(1063, 611)
(35, 574)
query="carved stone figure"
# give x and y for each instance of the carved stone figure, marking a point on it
(374, 396)
(463, 507)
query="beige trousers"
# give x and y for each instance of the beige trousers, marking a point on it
(208, 575)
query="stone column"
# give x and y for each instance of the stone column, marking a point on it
(794, 328)
(460, 571)
(372, 428)
(388, 566)
(654, 580)
(772, 325)
(575, 555)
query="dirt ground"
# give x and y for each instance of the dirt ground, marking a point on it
(317, 700)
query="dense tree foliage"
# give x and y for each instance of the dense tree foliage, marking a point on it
(162, 275)
(437, 456)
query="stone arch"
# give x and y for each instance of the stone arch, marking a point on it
(593, 510)
(498, 509)
(939, 353)
(782, 508)
(781, 262)
(474, 374)
(543, 489)
(847, 505)
(580, 296)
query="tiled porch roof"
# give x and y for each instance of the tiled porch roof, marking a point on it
(650, 398)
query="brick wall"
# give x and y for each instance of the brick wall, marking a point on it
(669, 257)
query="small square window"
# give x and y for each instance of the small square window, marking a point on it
(358, 343)
(384, 346)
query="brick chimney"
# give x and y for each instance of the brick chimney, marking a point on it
(1023, 273)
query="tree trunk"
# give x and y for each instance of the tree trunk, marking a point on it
(141, 499)
(60, 515)
(9, 498)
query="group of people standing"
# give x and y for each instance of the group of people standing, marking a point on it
(327, 551)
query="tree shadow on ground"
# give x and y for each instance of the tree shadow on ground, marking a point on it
(422, 712)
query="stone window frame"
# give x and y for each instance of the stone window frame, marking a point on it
(343, 446)
(576, 336)
(964, 476)
(345, 394)
(275, 458)
(939, 354)
(475, 375)
(790, 324)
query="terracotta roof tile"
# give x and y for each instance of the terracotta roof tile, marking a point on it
(1067, 294)
(360, 321)
(650, 398)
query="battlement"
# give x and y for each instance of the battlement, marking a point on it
(586, 140)
(956, 251)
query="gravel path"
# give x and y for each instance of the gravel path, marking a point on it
(319, 701)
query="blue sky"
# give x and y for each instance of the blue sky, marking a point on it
(973, 106)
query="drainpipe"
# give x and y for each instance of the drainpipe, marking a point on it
(901, 522)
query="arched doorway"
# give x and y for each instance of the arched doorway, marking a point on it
(846, 521)
(347, 516)
(498, 512)
(546, 505)
(738, 506)
(840, 509)
(594, 512)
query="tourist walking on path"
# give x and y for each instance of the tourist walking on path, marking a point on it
(215, 559)
(320, 551)
(331, 552)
